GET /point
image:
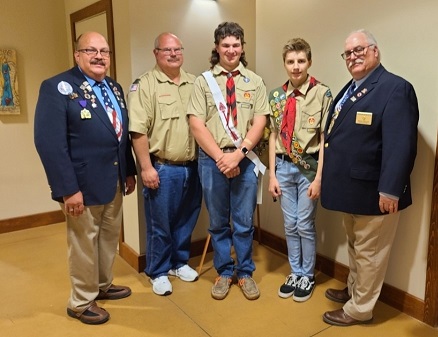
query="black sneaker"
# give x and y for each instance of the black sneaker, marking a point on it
(287, 289)
(304, 289)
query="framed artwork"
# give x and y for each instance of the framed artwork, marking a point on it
(9, 98)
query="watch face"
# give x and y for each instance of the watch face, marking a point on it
(245, 150)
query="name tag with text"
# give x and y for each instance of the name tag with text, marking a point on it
(364, 118)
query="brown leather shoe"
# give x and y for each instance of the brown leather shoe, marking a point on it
(92, 315)
(340, 296)
(114, 293)
(340, 318)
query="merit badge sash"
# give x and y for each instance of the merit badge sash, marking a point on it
(305, 162)
(228, 123)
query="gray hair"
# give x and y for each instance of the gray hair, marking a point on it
(370, 37)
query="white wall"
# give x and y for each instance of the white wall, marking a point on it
(405, 32)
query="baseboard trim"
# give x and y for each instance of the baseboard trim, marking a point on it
(31, 221)
(135, 260)
(138, 261)
(390, 295)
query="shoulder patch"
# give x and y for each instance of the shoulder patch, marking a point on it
(134, 85)
(328, 93)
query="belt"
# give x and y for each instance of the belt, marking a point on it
(173, 162)
(284, 157)
(228, 149)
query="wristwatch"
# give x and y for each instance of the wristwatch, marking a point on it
(244, 150)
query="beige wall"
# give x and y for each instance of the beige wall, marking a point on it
(136, 24)
(406, 36)
(41, 52)
(404, 33)
(194, 22)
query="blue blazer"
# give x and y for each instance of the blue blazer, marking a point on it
(80, 150)
(365, 154)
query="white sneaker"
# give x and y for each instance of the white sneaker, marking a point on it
(185, 273)
(161, 285)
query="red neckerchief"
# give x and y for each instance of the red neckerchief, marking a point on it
(289, 114)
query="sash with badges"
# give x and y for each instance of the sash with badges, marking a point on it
(228, 123)
(305, 162)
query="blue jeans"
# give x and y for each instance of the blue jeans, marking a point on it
(230, 199)
(171, 214)
(299, 218)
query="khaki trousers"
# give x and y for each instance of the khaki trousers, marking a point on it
(370, 240)
(92, 240)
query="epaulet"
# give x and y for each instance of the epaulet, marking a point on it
(328, 93)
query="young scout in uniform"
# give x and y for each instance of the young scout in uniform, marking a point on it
(226, 132)
(299, 111)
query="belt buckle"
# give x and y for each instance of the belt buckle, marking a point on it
(228, 149)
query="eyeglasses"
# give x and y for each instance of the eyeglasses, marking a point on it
(358, 51)
(168, 51)
(93, 52)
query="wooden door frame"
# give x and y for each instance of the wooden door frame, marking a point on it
(431, 294)
(100, 7)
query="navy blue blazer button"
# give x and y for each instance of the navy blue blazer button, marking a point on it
(116, 163)
(326, 145)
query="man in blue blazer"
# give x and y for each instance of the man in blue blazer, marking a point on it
(81, 135)
(369, 152)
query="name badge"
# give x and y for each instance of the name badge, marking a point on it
(364, 118)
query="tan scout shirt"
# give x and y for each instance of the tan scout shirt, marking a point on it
(251, 100)
(157, 108)
(312, 110)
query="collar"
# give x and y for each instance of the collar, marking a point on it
(92, 82)
(359, 82)
(302, 88)
(218, 69)
(162, 77)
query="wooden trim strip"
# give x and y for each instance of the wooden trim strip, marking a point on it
(431, 294)
(390, 295)
(31, 221)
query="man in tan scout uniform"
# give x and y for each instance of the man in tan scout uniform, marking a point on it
(165, 151)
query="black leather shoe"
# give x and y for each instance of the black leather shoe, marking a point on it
(340, 296)
(114, 293)
(340, 318)
(93, 315)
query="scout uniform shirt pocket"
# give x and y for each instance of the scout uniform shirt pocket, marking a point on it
(311, 119)
(168, 106)
(245, 99)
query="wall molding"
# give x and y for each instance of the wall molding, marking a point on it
(31, 221)
(390, 295)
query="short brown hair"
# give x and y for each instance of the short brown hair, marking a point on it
(297, 44)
